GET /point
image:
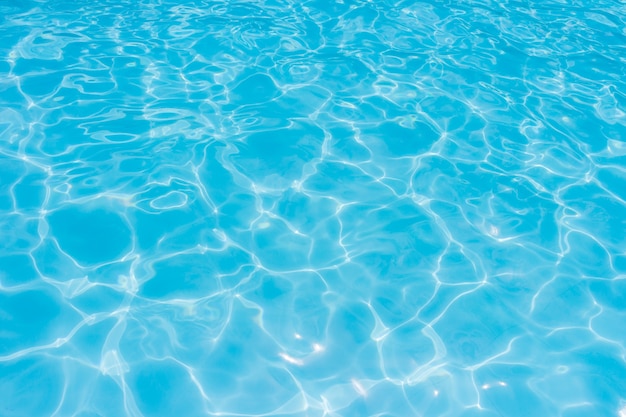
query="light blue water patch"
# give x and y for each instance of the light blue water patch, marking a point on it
(345, 209)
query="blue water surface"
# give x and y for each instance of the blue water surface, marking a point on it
(312, 208)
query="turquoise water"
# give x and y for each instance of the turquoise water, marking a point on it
(349, 208)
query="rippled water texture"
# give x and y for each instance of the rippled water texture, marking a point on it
(313, 208)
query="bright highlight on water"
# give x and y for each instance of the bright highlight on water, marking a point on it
(318, 208)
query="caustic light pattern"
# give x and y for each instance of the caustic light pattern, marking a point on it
(317, 208)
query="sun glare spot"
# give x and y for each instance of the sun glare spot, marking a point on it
(358, 387)
(291, 359)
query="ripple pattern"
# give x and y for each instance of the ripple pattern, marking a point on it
(284, 208)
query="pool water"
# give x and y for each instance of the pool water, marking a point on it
(318, 208)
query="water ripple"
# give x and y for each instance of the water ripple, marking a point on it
(306, 209)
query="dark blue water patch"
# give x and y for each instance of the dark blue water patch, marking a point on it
(17, 269)
(36, 87)
(256, 88)
(600, 364)
(99, 299)
(29, 193)
(281, 153)
(352, 325)
(164, 387)
(33, 386)
(182, 276)
(34, 318)
(90, 235)
(272, 288)
(89, 341)
(13, 95)
(608, 292)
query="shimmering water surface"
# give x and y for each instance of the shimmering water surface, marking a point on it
(318, 208)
